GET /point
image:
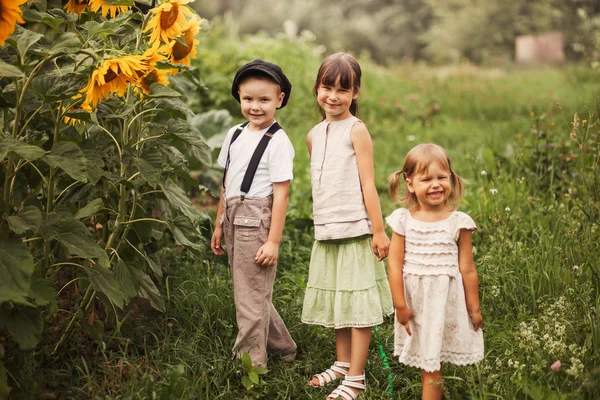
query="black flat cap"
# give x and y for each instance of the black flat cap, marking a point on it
(260, 67)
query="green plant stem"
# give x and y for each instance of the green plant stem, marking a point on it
(50, 194)
(87, 299)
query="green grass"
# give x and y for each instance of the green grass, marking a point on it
(536, 249)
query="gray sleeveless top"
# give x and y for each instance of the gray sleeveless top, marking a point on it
(338, 207)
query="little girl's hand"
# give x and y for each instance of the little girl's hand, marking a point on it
(380, 245)
(403, 315)
(477, 320)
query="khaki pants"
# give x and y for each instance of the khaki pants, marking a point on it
(246, 226)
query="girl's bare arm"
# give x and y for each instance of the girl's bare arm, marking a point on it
(469, 277)
(395, 265)
(363, 147)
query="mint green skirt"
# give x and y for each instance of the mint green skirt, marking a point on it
(347, 287)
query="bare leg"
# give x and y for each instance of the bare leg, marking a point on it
(361, 338)
(343, 344)
(432, 385)
(343, 340)
(359, 350)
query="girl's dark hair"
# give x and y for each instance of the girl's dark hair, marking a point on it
(340, 66)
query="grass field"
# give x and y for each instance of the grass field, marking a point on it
(532, 189)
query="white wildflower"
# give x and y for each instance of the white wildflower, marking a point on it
(483, 173)
(411, 138)
(493, 191)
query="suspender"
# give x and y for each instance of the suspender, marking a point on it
(256, 156)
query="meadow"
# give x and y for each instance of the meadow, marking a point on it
(527, 142)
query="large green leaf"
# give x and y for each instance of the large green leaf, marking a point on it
(24, 150)
(73, 235)
(103, 29)
(43, 293)
(27, 219)
(184, 132)
(148, 290)
(182, 240)
(103, 281)
(94, 165)
(90, 209)
(16, 267)
(9, 71)
(32, 15)
(198, 157)
(158, 91)
(150, 166)
(22, 39)
(214, 125)
(68, 42)
(54, 86)
(179, 200)
(129, 278)
(25, 325)
(154, 264)
(68, 157)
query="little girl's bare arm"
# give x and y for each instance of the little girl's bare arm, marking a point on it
(469, 277)
(395, 265)
(363, 147)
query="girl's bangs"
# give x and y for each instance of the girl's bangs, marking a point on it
(429, 158)
(339, 70)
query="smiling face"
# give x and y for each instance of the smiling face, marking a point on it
(335, 101)
(259, 99)
(431, 187)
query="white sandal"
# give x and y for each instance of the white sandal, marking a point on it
(329, 375)
(344, 390)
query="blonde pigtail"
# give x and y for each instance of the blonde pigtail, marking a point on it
(394, 185)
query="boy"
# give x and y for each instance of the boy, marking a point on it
(258, 160)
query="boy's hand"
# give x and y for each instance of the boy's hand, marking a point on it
(380, 245)
(476, 319)
(267, 254)
(216, 241)
(403, 315)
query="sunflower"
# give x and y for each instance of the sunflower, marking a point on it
(113, 76)
(154, 76)
(76, 6)
(10, 14)
(153, 55)
(73, 121)
(182, 53)
(169, 18)
(112, 10)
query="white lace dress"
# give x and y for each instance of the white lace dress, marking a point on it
(441, 328)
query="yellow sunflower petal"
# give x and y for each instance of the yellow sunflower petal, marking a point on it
(10, 15)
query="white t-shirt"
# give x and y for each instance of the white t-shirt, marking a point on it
(276, 164)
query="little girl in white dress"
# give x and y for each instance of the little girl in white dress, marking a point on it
(431, 271)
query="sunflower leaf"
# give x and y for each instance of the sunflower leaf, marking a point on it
(25, 325)
(24, 150)
(150, 166)
(68, 157)
(16, 267)
(22, 39)
(31, 15)
(103, 29)
(68, 42)
(157, 91)
(9, 71)
(29, 218)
